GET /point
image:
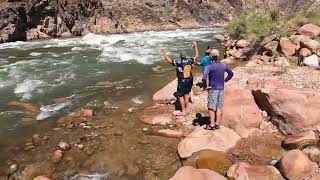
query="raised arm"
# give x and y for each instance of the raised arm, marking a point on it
(230, 74)
(165, 55)
(196, 50)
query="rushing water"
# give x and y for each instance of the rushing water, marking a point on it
(39, 72)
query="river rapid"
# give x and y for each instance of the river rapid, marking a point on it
(62, 75)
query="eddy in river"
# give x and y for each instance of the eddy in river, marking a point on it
(215, 72)
(184, 67)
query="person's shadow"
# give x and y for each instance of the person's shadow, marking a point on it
(201, 120)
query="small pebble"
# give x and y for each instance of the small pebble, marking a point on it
(64, 146)
(145, 129)
(80, 146)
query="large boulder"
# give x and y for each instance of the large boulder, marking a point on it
(242, 43)
(309, 30)
(296, 165)
(311, 61)
(201, 139)
(219, 37)
(190, 173)
(312, 45)
(301, 140)
(166, 94)
(240, 108)
(291, 109)
(245, 171)
(287, 47)
(209, 159)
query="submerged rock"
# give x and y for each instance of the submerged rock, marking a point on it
(241, 171)
(24, 106)
(296, 165)
(157, 119)
(201, 139)
(190, 173)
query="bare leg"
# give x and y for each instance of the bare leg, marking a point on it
(219, 116)
(212, 115)
(183, 105)
(187, 103)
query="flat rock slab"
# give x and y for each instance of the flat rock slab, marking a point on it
(166, 94)
(201, 139)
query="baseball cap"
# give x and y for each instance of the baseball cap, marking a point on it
(214, 53)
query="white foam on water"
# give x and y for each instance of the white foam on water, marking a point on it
(51, 110)
(76, 49)
(137, 100)
(11, 57)
(26, 88)
(35, 54)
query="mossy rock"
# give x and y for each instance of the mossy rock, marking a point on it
(209, 159)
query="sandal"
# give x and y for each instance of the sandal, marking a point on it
(216, 126)
(208, 127)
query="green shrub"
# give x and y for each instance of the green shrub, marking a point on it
(275, 15)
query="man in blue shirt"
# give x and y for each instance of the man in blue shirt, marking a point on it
(215, 72)
(205, 60)
(184, 67)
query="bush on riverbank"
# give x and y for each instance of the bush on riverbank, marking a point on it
(259, 25)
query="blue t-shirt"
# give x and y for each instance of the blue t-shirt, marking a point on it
(204, 62)
(215, 72)
(183, 67)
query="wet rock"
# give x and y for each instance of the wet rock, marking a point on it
(166, 94)
(312, 60)
(41, 178)
(36, 139)
(28, 148)
(24, 106)
(200, 139)
(296, 165)
(309, 30)
(170, 133)
(281, 62)
(34, 170)
(190, 173)
(313, 152)
(57, 155)
(242, 43)
(219, 37)
(240, 108)
(246, 171)
(13, 168)
(287, 47)
(209, 159)
(162, 119)
(301, 140)
(304, 52)
(87, 113)
(64, 146)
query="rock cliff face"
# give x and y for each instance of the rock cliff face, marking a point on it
(35, 19)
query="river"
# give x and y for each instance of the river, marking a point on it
(62, 75)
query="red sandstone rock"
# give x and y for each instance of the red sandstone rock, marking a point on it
(41, 178)
(301, 140)
(166, 94)
(88, 113)
(309, 30)
(287, 47)
(170, 133)
(190, 173)
(157, 119)
(304, 52)
(296, 165)
(57, 155)
(245, 171)
(242, 43)
(201, 139)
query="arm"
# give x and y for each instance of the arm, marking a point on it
(230, 74)
(165, 55)
(196, 50)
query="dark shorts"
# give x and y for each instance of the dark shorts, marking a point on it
(184, 86)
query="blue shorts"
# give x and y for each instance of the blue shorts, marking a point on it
(215, 99)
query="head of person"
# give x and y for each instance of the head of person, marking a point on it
(214, 55)
(207, 52)
(183, 54)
